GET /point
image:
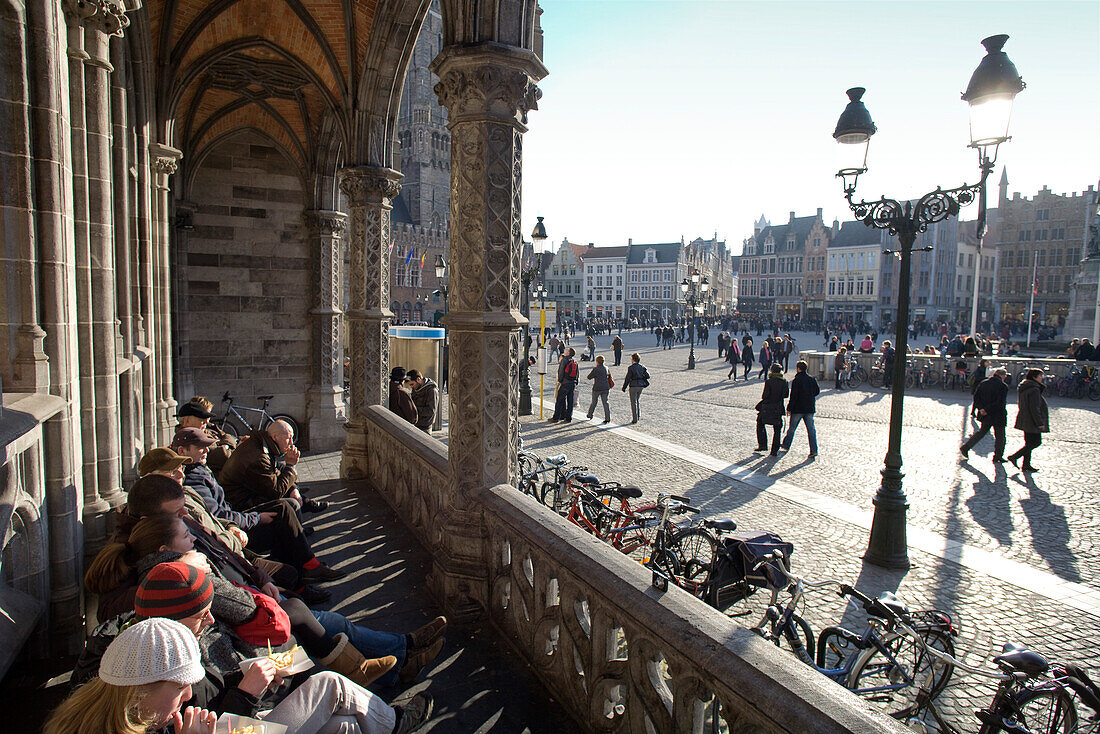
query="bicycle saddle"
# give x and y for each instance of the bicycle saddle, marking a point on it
(724, 524)
(264, 397)
(1018, 657)
(627, 492)
(586, 478)
(888, 605)
(557, 460)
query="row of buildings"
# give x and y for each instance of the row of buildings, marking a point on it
(1035, 247)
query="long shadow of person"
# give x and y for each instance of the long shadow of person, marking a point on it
(1050, 534)
(989, 504)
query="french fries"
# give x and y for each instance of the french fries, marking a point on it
(282, 659)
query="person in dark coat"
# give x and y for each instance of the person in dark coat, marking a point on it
(1033, 417)
(1086, 352)
(401, 401)
(617, 346)
(636, 379)
(747, 354)
(765, 358)
(568, 370)
(801, 406)
(990, 400)
(979, 376)
(425, 396)
(600, 388)
(769, 411)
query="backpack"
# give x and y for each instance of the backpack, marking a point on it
(571, 370)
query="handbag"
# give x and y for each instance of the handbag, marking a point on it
(610, 380)
(270, 624)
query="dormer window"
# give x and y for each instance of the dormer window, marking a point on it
(650, 256)
(790, 244)
(769, 246)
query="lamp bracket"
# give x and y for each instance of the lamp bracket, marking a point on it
(897, 217)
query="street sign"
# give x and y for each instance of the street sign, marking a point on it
(533, 316)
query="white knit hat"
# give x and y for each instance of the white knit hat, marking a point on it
(156, 649)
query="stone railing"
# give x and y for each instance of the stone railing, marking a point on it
(615, 653)
(25, 594)
(820, 364)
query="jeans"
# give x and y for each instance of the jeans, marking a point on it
(371, 643)
(597, 396)
(327, 703)
(998, 438)
(563, 407)
(811, 432)
(635, 402)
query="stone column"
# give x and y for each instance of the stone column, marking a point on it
(326, 395)
(165, 162)
(107, 21)
(146, 330)
(54, 232)
(369, 191)
(487, 91)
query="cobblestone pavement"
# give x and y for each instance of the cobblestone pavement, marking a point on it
(1047, 520)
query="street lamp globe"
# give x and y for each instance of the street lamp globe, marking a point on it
(704, 285)
(538, 234)
(440, 268)
(694, 276)
(993, 87)
(684, 285)
(853, 133)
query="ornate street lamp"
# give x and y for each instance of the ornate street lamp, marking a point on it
(991, 85)
(693, 290)
(440, 275)
(527, 275)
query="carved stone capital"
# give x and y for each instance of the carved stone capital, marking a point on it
(369, 183)
(487, 90)
(324, 223)
(107, 16)
(165, 159)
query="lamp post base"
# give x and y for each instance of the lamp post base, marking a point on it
(888, 545)
(524, 391)
(691, 359)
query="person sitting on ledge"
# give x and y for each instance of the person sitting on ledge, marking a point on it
(261, 471)
(196, 413)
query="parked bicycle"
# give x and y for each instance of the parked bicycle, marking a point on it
(235, 424)
(1082, 380)
(854, 374)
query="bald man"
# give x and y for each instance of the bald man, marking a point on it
(261, 469)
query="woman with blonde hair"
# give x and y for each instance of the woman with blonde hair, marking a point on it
(144, 679)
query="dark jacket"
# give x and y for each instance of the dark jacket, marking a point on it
(1033, 408)
(401, 402)
(770, 406)
(598, 375)
(617, 344)
(1086, 352)
(804, 389)
(636, 376)
(199, 478)
(425, 398)
(992, 396)
(252, 475)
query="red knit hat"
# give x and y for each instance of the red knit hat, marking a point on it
(173, 590)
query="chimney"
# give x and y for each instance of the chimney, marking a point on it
(792, 216)
(629, 241)
(819, 212)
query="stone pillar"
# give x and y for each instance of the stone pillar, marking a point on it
(326, 396)
(165, 162)
(54, 232)
(369, 191)
(145, 328)
(487, 91)
(107, 21)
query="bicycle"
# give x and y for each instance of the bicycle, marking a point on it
(531, 467)
(854, 374)
(884, 663)
(232, 411)
(1024, 702)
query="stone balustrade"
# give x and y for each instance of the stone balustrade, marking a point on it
(820, 364)
(618, 655)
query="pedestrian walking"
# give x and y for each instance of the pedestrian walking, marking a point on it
(591, 347)
(601, 384)
(617, 345)
(765, 359)
(840, 362)
(801, 406)
(769, 411)
(888, 356)
(990, 398)
(1033, 417)
(975, 382)
(636, 380)
(733, 356)
(747, 354)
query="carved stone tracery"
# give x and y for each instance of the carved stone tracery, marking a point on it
(108, 16)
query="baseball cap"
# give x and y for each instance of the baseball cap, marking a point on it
(192, 437)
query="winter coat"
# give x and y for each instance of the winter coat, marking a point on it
(425, 397)
(401, 401)
(839, 362)
(770, 407)
(636, 376)
(253, 476)
(1033, 408)
(991, 396)
(598, 375)
(804, 389)
(199, 478)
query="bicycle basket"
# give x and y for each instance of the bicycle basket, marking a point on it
(732, 578)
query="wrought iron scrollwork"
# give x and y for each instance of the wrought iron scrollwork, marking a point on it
(892, 215)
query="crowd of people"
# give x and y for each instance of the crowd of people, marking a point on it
(206, 596)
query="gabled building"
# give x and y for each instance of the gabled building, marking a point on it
(604, 283)
(654, 273)
(564, 280)
(852, 273)
(773, 267)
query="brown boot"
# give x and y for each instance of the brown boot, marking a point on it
(350, 663)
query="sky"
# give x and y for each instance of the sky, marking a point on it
(669, 118)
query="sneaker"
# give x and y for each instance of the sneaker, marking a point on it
(606, 422)
(413, 714)
(427, 634)
(1027, 468)
(417, 659)
(312, 505)
(321, 574)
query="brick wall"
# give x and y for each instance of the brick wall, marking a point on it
(245, 280)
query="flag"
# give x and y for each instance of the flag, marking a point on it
(424, 255)
(391, 246)
(409, 257)
(1035, 287)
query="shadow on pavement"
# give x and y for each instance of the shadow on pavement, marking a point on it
(1050, 533)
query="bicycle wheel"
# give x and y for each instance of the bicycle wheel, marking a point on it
(910, 380)
(647, 521)
(856, 378)
(874, 675)
(834, 648)
(1046, 711)
(802, 628)
(289, 421)
(876, 378)
(696, 548)
(1094, 390)
(550, 495)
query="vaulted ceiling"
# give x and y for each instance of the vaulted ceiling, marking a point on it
(292, 69)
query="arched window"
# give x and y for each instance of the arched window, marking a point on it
(406, 312)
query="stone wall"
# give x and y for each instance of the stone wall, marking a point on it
(244, 279)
